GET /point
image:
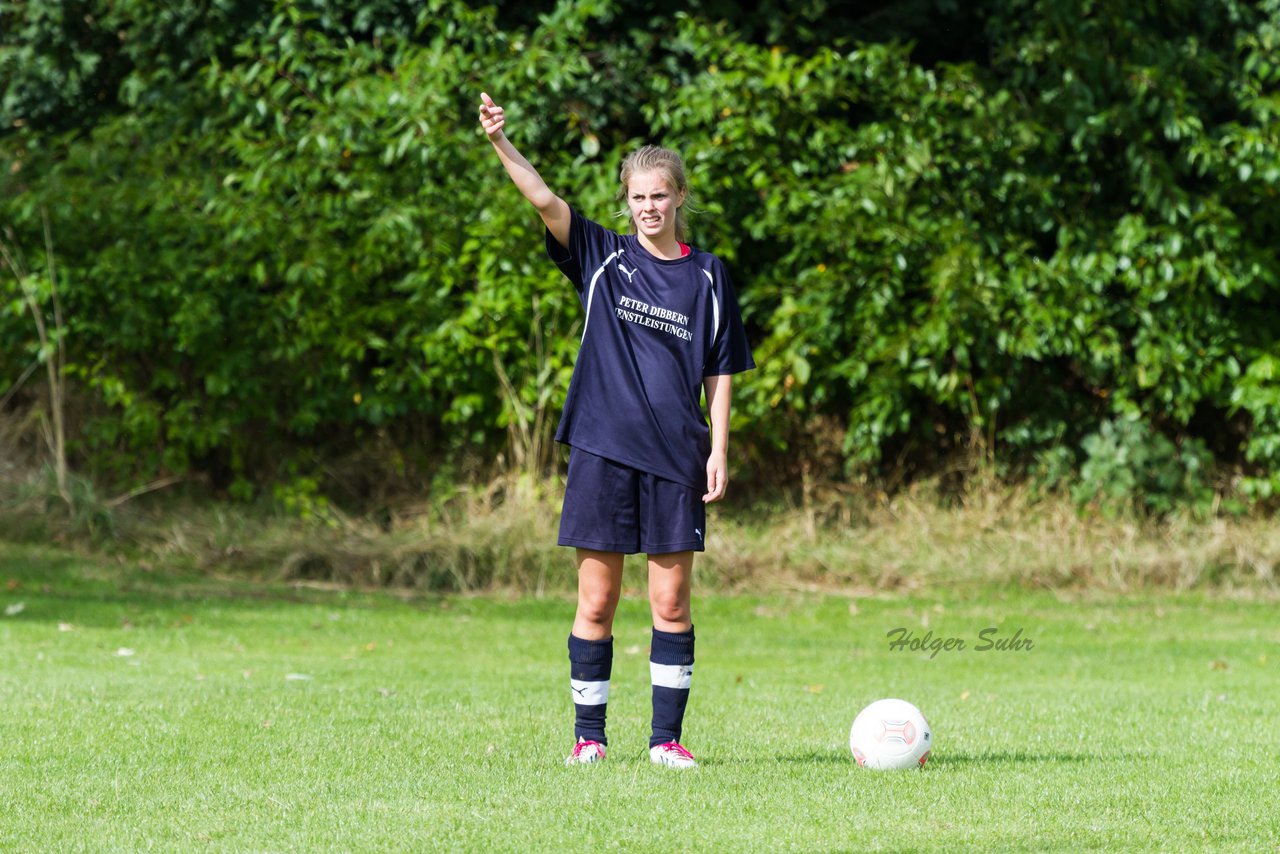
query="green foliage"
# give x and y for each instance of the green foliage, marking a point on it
(1258, 393)
(302, 498)
(1129, 467)
(282, 235)
(69, 64)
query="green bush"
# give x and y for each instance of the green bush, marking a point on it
(284, 241)
(1131, 468)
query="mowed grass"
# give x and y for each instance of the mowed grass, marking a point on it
(142, 711)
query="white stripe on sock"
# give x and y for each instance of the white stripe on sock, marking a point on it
(671, 675)
(589, 693)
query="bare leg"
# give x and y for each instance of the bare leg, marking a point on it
(599, 588)
(670, 655)
(591, 650)
(670, 586)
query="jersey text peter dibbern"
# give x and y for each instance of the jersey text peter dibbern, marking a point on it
(653, 330)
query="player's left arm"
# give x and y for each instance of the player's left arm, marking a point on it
(719, 390)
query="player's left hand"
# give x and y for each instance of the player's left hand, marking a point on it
(717, 477)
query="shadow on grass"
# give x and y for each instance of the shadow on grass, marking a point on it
(991, 757)
(937, 759)
(814, 757)
(44, 587)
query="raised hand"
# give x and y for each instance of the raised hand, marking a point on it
(492, 117)
(554, 211)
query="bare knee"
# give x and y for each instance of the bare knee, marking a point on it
(669, 591)
(599, 587)
(597, 606)
(669, 608)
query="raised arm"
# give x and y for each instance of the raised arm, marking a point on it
(553, 209)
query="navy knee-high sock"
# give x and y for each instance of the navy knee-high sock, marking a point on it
(671, 671)
(590, 665)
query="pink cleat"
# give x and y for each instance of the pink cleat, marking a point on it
(672, 755)
(585, 752)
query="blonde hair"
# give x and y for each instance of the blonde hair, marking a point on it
(664, 161)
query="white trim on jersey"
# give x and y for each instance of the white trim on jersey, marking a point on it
(715, 308)
(671, 675)
(589, 693)
(591, 290)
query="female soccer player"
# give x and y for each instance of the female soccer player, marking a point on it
(661, 325)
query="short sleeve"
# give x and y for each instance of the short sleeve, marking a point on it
(730, 352)
(564, 259)
(589, 244)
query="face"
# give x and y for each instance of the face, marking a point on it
(653, 204)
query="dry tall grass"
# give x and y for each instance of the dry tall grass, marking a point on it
(998, 534)
(502, 537)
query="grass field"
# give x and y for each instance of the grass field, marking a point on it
(143, 711)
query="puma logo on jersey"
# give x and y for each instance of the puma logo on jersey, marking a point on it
(629, 273)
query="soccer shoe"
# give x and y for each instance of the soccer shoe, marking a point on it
(585, 752)
(671, 755)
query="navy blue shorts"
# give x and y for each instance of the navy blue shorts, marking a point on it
(610, 507)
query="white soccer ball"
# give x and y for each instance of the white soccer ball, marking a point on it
(890, 735)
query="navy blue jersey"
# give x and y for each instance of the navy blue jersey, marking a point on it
(653, 330)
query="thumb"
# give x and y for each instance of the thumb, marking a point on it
(484, 96)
